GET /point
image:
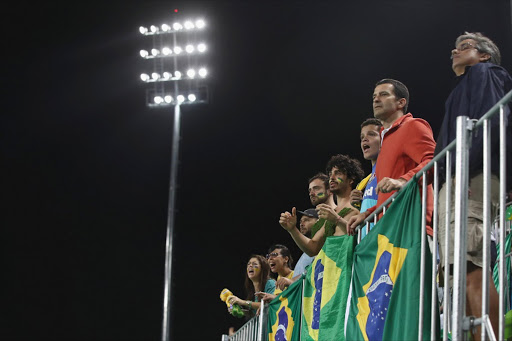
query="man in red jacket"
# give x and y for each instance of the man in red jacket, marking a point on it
(407, 146)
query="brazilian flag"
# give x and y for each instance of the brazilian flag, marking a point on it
(326, 289)
(284, 314)
(384, 302)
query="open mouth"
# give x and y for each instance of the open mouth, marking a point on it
(272, 266)
(250, 272)
(365, 147)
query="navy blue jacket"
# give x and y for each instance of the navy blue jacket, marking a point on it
(476, 91)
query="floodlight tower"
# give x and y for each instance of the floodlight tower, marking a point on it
(177, 78)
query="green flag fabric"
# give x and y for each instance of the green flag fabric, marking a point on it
(326, 286)
(385, 297)
(284, 314)
(508, 277)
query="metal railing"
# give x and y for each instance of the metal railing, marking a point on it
(253, 330)
(454, 302)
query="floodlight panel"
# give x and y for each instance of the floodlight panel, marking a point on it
(201, 47)
(200, 24)
(189, 48)
(191, 73)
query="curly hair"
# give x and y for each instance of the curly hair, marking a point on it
(346, 164)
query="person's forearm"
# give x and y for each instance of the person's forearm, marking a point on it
(309, 246)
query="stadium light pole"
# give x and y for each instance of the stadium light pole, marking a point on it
(176, 79)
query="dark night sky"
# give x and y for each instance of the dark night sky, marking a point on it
(85, 168)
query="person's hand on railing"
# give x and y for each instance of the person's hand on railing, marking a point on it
(283, 283)
(265, 297)
(387, 185)
(355, 221)
(356, 196)
(288, 220)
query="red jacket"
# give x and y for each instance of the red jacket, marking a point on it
(406, 148)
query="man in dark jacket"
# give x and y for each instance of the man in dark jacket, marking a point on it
(480, 84)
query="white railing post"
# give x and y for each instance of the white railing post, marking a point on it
(461, 213)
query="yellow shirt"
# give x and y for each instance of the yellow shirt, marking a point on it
(277, 291)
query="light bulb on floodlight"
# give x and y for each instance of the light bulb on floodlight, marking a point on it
(158, 99)
(201, 47)
(168, 99)
(155, 52)
(144, 77)
(202, 72)
(191, 97)
(189, 48)
(143, 53)
(155, 76)
(166, 75)
(166, 51)
(166, 28)
(177, 74)
(191, 73)
(189, 25)
(177, 26)
(154, 29)
(177, 50)
(143, 30)
(200, 24)
(181, 98)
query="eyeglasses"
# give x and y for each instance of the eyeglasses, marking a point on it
(465, 46)
(272, 255)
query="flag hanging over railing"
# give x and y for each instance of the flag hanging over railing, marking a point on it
(284, 314)
(385, 295)
(326, 290)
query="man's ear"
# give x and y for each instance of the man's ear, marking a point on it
(401, 103)
(484, 57)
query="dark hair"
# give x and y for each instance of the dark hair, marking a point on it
(284, 252)
(399, 89)
(370, 121)
(263, 278)
(351, 167)
(321, 176)
(483, 45)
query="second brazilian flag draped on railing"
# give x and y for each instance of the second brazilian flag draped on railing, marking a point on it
(384, 302)
(326, 289)
(284, 314)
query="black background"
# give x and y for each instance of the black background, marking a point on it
(85, 169)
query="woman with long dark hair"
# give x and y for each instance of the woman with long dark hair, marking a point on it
(257, 279)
